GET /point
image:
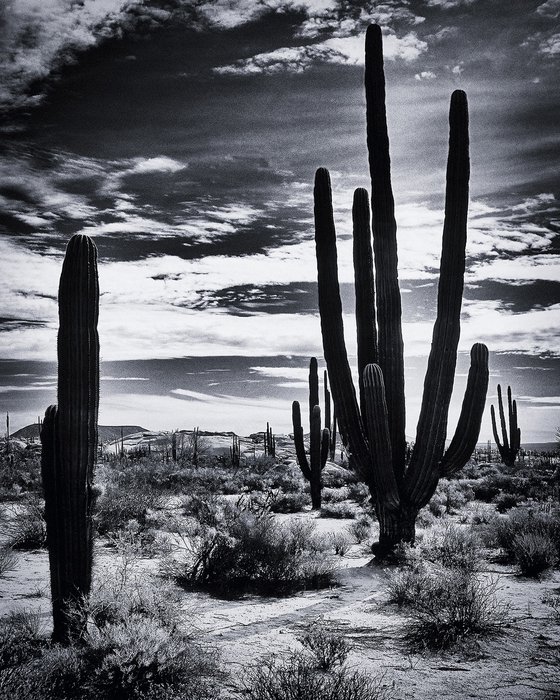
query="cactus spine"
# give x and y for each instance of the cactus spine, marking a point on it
(509, 447)
(374, 426)
(318, 439)
(69, 439)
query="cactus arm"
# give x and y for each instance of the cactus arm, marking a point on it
(495, 430)
(423, 471)
(503, 420)
(313, 385)
(390, 340)
(325, 444)
(327, 400)
(514, 432)
(332, 327)
(468, 427)
(298, 441)
(379, 438)
(364, 286)
(315, 457)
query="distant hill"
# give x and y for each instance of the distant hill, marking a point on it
(106, 432)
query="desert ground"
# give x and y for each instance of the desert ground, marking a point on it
(144, 544)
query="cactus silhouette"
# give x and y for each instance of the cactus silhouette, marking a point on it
(319, 440)
(374, 426)
(69, 441)
(508, 448)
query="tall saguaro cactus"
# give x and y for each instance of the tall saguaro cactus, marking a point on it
(508, 448)
(69, 438)
(374, 426)
(319, 440)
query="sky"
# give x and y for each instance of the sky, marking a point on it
(183, 136)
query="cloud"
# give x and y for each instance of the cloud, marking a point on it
(448, 4)
(551, 9)
(425, 75)
(337, 50)
(550, 46)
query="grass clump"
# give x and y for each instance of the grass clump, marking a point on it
(25, 528)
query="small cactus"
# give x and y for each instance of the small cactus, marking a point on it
(508, 448)
(319, 440)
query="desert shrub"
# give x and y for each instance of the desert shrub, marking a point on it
(132, 660)
(451, 605)
(534, 553)
(408, 583)
(340, 542)
(506, 501)
(485, 490)
(8, 560)
(20, 638)
(26, 529)
(452, 546)
(297, 677)
(117, 506)
(342, 510)
(127, 590)
(20, 471)
(502, 530)
(552, 600)
(327, 648)
(425, 518)
(206, 508)
(249, 552)
(359, 493)
(360, 528)
(334, 495)
(288, 502)
(138, 659)
(336, 478)
(449, 497)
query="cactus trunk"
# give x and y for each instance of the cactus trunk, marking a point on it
(69, 437)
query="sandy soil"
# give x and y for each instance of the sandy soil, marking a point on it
(517, 664)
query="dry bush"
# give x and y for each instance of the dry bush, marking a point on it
(328, 649)
(8, 560)
(534, 553)
(25, 528)
(296, 678)
(252, 552)
(452, 605)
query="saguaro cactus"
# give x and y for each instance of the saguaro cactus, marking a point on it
(374, 427)
(69, 438)
(318, 439)
(509, 447)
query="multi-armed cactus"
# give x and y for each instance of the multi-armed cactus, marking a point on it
(69, 438)
(509, 447)
(374, 427)
(318, 439)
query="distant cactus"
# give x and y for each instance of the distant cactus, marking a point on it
(509, 447)
(174, 445)
(374, 427)
(235, 451)
(269, 442)
(69, 439)
(319, 440)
